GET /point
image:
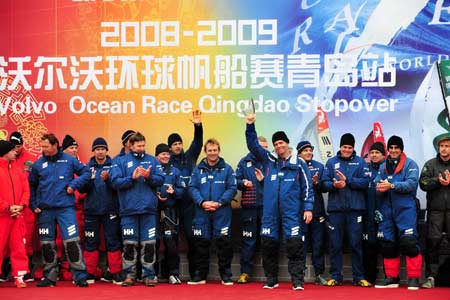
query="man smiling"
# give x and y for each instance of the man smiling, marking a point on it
(212, 186)
(345, 180)
(397, 187)
(287, 188)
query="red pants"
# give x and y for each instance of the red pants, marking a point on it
(12, 235)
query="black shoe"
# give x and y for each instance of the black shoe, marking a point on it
(90, 279)
(45, 282)
(298, 286)
(388, 283)
(197, 280)
(107, 277)
(271, 283)
(117, 278)
(413, 284)
(81, 283)
(6, 270)
(226, 280)
(320, 280)
(28, 277)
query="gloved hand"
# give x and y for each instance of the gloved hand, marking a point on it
(378, 216)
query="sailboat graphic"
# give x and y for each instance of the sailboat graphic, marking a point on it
(428, 118)
(376, 135)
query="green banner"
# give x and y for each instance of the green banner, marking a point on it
(444, 70)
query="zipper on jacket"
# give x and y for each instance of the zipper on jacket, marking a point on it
(12, 183)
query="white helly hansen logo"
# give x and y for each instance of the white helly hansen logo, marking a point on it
(359, 219)
(273, 177)
(130, 164)
(224, 231)
(43, 231)
(409, 231)
(197, 232)
(71, 230)
(265, 231)
(365, 237)
(89, 234)
(44, 165)
(380, 235)
(203, 180)
(151, 232)
(247, 234)
(129, 231)
(295, 230)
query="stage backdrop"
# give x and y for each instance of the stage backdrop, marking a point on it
(93, 68)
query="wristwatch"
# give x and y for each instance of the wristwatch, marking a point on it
(392, 186)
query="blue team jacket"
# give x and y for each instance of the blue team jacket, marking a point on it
(405, 180)
(171, 177)
(213, 183)
(319, 206)
(136, 196)
(49, 178)
(185, 161)
(352, 197)
(101, 198)
(287, 183)
(251, 197)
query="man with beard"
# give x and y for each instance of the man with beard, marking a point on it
(435, 180)
(287, 189)
(136, 176)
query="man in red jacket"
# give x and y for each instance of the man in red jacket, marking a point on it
(14, 197)
(24, 161)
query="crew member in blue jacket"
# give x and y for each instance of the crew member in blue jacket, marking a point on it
(398, 180)
(169, 195)
(52, 186)
(250, 180)
(314, 232)
(136, 176)
(287, 189)
(212, 187)
(101, 208)
(346, 183)
(185, 161)
(371, 217)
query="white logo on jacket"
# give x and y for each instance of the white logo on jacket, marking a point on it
(265, 231)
